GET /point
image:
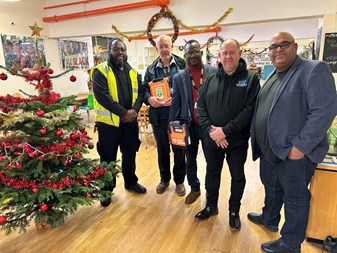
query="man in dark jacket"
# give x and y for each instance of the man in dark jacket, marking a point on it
(166, 65)
(186, 86)
(294, 110)
(118, 98)
(225, 110)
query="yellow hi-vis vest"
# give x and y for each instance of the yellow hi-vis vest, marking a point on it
(103, 115)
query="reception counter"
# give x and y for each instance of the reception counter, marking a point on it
(323, 206)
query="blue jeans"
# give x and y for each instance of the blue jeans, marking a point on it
(286, 182)
(191, 159)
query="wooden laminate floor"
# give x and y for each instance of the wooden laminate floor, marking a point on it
(153, 223)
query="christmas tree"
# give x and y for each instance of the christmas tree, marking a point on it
(43, 174)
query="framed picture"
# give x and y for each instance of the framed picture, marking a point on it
(23, 51)
(74, 54)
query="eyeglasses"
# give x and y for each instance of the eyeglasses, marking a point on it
(190, 53)
(118, 49)
(283, 45)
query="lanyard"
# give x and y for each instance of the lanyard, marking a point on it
(201, 81)
(167, 71)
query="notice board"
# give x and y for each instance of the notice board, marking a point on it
(330, 51)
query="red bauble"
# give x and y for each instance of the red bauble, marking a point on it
(3, 219)
(31, 154)
(35, 189)
(75, 109)
(43, 130)
(86, 183)
(78, 156)
(44, 207)
(50, 71)
(40, 113)
(59, 132)
(116, 171)
(18, 165)
(43, 70)
(88, 196)
(91, 146)
(73, 136)
(72, 78)
(3, 76)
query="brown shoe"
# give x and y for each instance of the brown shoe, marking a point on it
(162, 186)
(191, 197)
(180, 189)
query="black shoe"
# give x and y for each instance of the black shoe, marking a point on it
(258, 220)
(206, 213)
(330, 244)
(137, 188)
(277, 247)
(234, 221)
(105, 202)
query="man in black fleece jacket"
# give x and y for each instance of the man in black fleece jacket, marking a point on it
(225, 110)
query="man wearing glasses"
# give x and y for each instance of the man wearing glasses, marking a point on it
(118, 98)
(294, 110)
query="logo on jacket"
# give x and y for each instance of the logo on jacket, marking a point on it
(242, 83)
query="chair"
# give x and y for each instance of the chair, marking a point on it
(144, 125)
(88, 106)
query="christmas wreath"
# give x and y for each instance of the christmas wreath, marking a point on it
(155, 18)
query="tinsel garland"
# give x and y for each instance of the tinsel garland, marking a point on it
(130, 38)
(254, 52)
(176, 22)
(229, 10)
(9, 103)
(245, 43)
(61, 185)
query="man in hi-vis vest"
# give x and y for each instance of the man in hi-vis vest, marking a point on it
(118, 98)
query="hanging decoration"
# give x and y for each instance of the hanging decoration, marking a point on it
(167, 13)
(229, 10)
(250, 50)
(211, 40)
(164, 13)
(245, 43)
(253, 51)
(130, 38)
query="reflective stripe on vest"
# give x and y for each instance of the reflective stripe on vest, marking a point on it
(103, 115)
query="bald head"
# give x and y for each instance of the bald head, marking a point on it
(232, 42)
(282, 50)
(163, 38)
(230, 55)
(284, 35)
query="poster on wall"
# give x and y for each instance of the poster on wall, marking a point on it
(330, 51)
(22, 51)
(74, 54)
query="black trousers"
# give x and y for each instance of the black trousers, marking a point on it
(163, 148)
(236, 159)
(126, 137)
